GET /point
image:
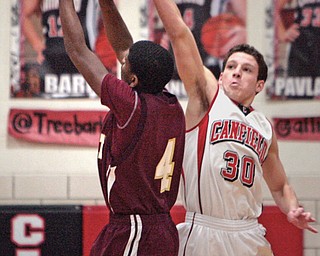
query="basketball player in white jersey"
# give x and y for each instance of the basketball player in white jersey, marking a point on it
(230, 148)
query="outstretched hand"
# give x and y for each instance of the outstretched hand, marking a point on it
(301, 219)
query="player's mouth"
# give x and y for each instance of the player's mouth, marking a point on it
(235, 83)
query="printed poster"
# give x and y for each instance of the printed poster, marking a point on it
(293, 33)
(40, 66)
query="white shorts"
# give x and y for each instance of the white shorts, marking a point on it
(202, 235)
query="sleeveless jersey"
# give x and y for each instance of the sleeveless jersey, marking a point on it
(223, 162)
(304, 57)
(141, 149)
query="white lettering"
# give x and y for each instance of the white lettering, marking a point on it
(296, 86)
(65, 84)
(289, 88)
(50, 83)
(78, 84)
(317, 87)
(28, 252)
(27, 230)
(280, 84)
(300, 84)
(71, 84)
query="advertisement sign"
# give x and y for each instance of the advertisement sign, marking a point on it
(299, 128)
(64, 127)
(41, 230)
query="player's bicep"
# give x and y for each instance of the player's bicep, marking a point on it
(273, 170)
(188, 61)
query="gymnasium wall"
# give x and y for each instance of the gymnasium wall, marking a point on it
(42, 175)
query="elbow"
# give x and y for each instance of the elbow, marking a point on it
(179, 33)
(72, 49)
(69, 49)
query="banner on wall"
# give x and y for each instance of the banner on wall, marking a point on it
(80, 128)
(41, 230)
(216, 26)
(293, 32)
(40, 66)
(301, 128)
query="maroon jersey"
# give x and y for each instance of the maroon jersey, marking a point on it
(141, 149)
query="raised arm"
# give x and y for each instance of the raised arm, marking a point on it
(29, 8)
(82, 57)
(199, 82)
(116, 30)
(282, 192)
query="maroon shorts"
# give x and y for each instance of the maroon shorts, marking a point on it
(149, 235)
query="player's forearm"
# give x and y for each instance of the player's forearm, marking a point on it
(286, 199)
(73, 35)
(116, 29)
(31, 35)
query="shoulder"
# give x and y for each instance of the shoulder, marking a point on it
(115, 91)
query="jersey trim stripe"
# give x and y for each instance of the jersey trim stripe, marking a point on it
(135, 236)
(201, 146)
(133, 111)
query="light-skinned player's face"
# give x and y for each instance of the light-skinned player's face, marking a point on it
(239, 78)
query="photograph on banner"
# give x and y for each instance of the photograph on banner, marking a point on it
(296, 52)
(217, 26)
(40, 66)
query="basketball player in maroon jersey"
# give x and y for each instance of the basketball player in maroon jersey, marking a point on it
(230, 148)
(142, 140)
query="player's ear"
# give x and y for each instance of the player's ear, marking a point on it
(260, 86)
(134, 81)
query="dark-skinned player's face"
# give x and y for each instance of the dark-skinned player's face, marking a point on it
(125, 71)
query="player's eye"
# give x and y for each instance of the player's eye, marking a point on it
(246, 69)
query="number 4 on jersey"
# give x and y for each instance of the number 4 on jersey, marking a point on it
(165, 167)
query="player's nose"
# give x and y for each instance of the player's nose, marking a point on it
(236, 72)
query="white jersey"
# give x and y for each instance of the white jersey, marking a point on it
(223, 162)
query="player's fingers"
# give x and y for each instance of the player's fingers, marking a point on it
(300, 210)
(312, 229)
(306, 214)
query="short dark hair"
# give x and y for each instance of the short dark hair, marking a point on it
(248, 49)
(152, 64)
